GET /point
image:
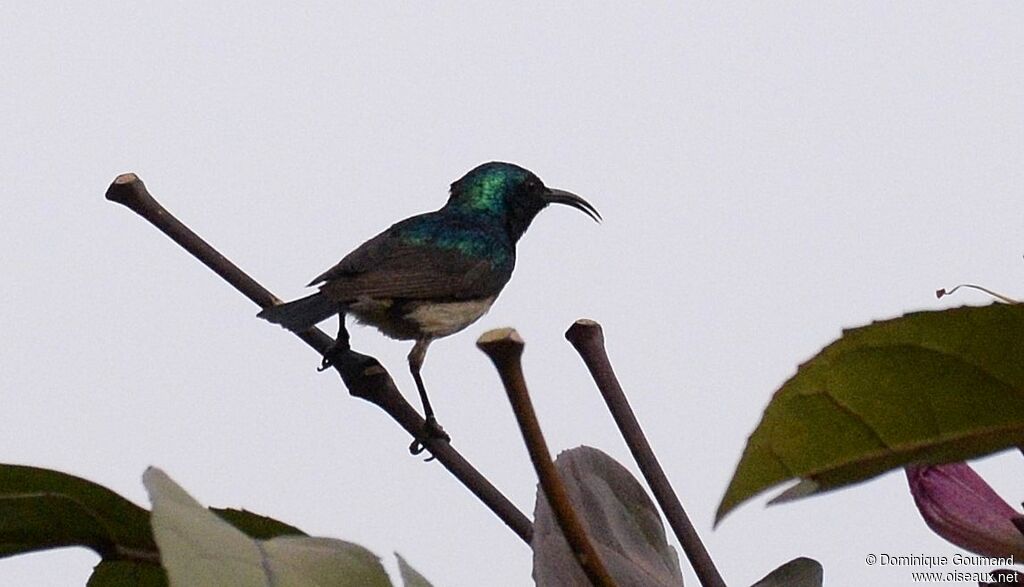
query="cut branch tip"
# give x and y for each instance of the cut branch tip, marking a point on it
(585, 330)
(501, 344)
(129, 190)
(499, 335)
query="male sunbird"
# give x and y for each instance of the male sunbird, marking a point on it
(434, 274)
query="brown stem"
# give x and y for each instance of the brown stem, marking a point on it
(587, 338)
(133, 554)
(364, 376)
(505, 349)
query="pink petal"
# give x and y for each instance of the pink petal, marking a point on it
(959, 506)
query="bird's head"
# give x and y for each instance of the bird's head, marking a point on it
(510, 194)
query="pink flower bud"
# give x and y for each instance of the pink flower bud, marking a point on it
(959, 506)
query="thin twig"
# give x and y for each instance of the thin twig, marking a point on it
(364, 376)
(505, 349)
(587, 338)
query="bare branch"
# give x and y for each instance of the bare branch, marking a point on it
(587, 338)
(364, 376)
(505, 349)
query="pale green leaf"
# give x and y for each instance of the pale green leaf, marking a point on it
(198, 549)
(410, 576)
(620, 519)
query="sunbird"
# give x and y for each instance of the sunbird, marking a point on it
(434, 274)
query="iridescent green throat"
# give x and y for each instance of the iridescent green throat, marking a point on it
(459, 233)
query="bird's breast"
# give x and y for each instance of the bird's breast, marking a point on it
(414, 319)
(441, 319)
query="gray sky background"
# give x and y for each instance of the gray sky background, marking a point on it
(768, 175)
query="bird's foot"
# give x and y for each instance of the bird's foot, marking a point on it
(431, 431)
(332, 356)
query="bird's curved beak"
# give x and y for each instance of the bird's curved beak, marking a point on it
(554, 196)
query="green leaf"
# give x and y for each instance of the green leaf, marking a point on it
(410, 576)
(255, 525)
(42, 509)
(620, 519)
(199, 548)
(799, 572)
(926, 387)
(127, 574)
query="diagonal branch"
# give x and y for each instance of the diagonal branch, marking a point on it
(505, 349)
(587, 338)
(364, 376)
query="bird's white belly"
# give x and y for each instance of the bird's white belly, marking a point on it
(437, 320)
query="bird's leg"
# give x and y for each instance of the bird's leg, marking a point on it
(432, 428)
(416, 357)
(340, 346)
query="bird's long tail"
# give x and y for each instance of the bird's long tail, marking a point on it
(302, 314)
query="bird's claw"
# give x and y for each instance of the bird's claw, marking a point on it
(431, 431)
(331, 357)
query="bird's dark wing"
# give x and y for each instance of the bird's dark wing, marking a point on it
(387, 266)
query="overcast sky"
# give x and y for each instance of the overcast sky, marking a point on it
(768, 176)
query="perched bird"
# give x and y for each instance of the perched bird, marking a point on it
(431, 275)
